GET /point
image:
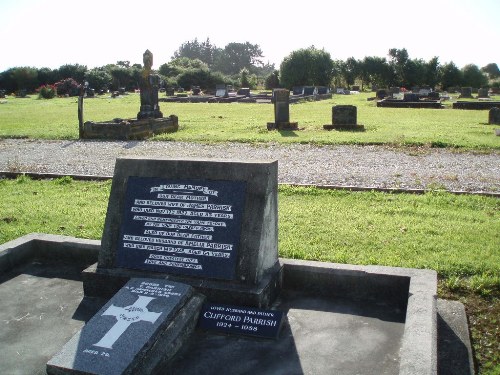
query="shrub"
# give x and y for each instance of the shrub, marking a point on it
(47, 91)
(67, 86)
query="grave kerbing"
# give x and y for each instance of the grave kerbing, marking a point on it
(151, 230)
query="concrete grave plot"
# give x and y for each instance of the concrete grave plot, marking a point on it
(204, 231)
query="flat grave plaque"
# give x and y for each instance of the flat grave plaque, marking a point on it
(187, 227)
(128, 325)
(239, 320)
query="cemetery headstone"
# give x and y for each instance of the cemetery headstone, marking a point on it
(298, 90)
(191, 220)
(281, 100)
(466, 92)
(196, 90)
(494, 116)
(355, 88)
(169, 91)
(381, 94)
(149, 84)
(344, 117)
(221, 91)
(245, 91)
(394, 90)
(131, 333)
(483, 93)
(309, 90)
(411, 97)
(322, 90)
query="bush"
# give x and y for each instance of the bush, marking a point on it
(67, 86)
(47, 91)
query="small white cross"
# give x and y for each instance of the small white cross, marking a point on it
(125, 316)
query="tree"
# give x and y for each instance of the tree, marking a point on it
(375, 70)
(350, 70)
(432, 73)
(237, 56)
(306, 67)
(399, 64)
(473, 77)
(99, 78)
(75, 71)
(25, 78)
(203, 51)
(272, 80)
(492, 70)
(450, 75)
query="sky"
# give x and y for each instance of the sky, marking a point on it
(51, 33)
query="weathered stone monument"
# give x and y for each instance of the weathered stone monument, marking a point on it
(465, 92)
(494, 116)
(482, 93)
(344, 117)
(281, 100)
(149, 86)
(149, 122)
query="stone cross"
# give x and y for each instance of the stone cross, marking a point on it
(125, 317)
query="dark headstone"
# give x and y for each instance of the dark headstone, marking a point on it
(298, 90)
(483, 93)
(434, 95)
(355, 88)
(196, 90)
(494, 116)
(394, 90)
(309, 90)
(245, 91)
(124, 334)
(169, 91)
(149, 84)
(191, 219)
(466, 92)
(411, 97)
(281, 105)
(344, 115)
(240, 320)
(90, 93)
(121, 90)
(322, 90)
(221, 91)
(381, 93)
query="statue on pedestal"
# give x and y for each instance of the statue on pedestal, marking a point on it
(149, 85)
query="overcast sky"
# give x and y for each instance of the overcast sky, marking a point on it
(50, 33)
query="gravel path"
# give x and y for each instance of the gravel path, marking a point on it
(360, 166)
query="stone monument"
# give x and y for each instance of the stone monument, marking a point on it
(465, 92)
(149, 85)
(344, 117)
(281, 100)
(209, 224)
(494, 116)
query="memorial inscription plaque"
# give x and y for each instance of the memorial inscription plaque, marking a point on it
(113, 340)
(188, 227)
(241, 320)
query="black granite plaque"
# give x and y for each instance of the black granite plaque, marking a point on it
(241, 320)
(126, 326)
(188, 227)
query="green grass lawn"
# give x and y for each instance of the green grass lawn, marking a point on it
(456, 235)
(212, 122)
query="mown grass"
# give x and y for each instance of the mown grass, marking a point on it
(456, 235)
(211, 122)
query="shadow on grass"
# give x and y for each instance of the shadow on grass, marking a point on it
(287, 133)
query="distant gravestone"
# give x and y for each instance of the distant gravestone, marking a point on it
(394, 90)
(195, 90)
(355, 88)
(298, 90)
(322, 90)
(245, 91)
(344, 117)
(411, 97)
(281, 99)
(169, 91)
(494, 116)
(483, 93)
(221, 91)
(381, 94)
(191, 220)
(125, 335)
(466, 92)
(310, 90)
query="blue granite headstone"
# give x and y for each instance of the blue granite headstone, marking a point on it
(123, 330)
(186, 227)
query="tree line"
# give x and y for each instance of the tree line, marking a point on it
(203, 64)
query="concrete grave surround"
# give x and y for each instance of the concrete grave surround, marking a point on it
(429, 336)
(256, 271)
